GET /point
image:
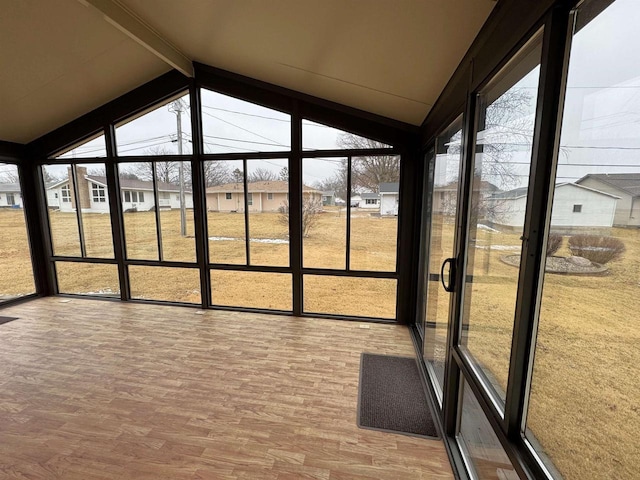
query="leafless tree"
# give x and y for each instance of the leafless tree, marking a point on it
(310, 214)
(369, 171)
(262, 175)
(9, 177)
(216, 173)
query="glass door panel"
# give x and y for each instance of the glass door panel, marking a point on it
(505, 110)
(442, 206)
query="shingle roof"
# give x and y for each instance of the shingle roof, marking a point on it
(627, 182)
(522, 192)
(10, 187)
(273, 186)
(368, 196)
(390, 187)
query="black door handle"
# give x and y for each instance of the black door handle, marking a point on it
(449, 286)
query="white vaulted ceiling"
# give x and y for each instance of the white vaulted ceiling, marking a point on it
(62, 58)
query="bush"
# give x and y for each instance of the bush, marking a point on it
(553, 244)
(598, 249)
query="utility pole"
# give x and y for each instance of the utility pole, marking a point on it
(177, 107)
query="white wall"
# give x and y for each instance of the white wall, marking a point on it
(148, 204)
(363, 204)
(389, 203)
(17, 199)
(598, 210)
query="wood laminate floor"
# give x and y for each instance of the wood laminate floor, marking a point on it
(104, 390)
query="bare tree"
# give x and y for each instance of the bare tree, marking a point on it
(336, 183)
(284, 174)
(10, 177)
(167, 171)
(262, 175)
(310, 214)
(369, 171)
(216, 173)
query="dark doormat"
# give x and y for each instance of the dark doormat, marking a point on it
(391, 397)
(7, 319)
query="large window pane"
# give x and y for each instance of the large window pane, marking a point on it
(480, 445)
(165, 283)
(268, 207)
(165, 130)
(442, 205)
(16, 274)
(93, 196)
(351, 296)
(230, 125)
(325, 224)
(251, 289)
(61, 207)
(88, 279)
(506, 110)
(96, 147)
(584, 414)
(225, 211)
(375, 200)
(175, 207)
(138, 205)
(316, 136)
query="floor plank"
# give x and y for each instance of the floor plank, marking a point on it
(95, 390)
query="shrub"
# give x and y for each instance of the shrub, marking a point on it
(553, 244)
(598, 249)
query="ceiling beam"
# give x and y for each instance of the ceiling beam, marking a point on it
(136, 28)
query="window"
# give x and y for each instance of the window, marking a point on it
(141, 197)
(269, 196)
(225, 212)
(127, 196)
(10, 199)
(583, 415)
(98, 193)
(316, 136)
(230, 125)
(270, 291)
(249, 198)
(371, 201)
(88, 279)
(503, 148)
(577, 208)
(16, 272)
(66, 194)
(92, 148)
(155, 132)
(177, 198)
(134, 197)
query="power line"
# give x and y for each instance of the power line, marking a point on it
(244, 129)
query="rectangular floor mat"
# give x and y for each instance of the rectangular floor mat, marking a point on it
(391, 397)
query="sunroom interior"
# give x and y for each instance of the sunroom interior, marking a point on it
(211, 210)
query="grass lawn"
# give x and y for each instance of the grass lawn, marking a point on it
(584, 398)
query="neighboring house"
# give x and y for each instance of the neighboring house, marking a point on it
(10, 195)
(355, 201)
(389, 198)
(94, 196)
(574, 207)
(445, 197)
(271, 196)
(626, 186)
(369, 200)
(328, 198)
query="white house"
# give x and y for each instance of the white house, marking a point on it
(389, 198)
(369, 201)
(137, 195)
(574, 207)
(10, 195)
(626, 186)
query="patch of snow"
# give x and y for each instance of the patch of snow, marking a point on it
(487, 228)
(222, 239)
(505, 248)
(254, 240)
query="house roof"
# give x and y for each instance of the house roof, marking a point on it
(10, 187)
(129, 184)
(328, 193)
(272, 186)
(627, 182)
(522, 191)
(369, 196)
(390, 187)
(453, 186)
